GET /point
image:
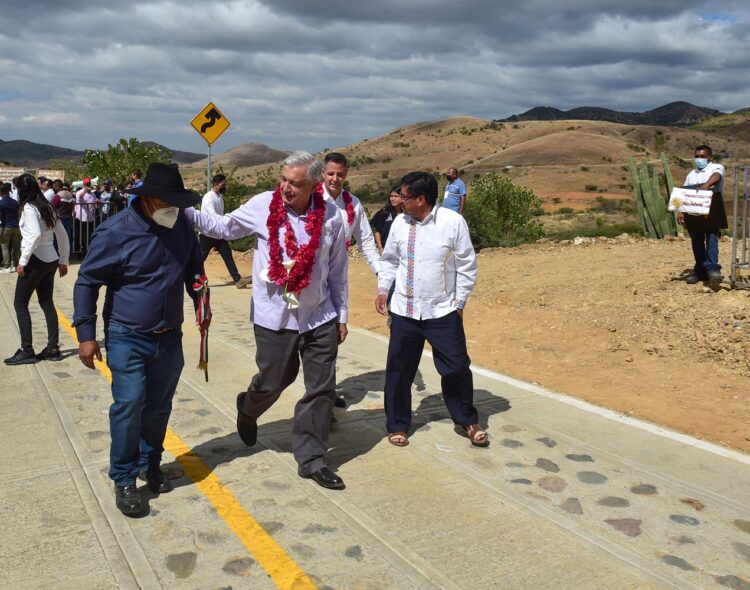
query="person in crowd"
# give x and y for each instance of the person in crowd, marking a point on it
(454, 196)
(382, 220)
(135, 182)
(352, 213)
(299, 307)
(14, 189)
(45, 184)
(36, 269)
(145, 257)
(213, 204)
(430, 257)
(85, 215)
(10, 234)
(57, 186)
(105, 198)
(63, 203)
(705, 230)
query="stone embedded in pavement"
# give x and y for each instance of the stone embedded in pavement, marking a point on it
(697, 504)
(644, 489)
(743, 525)
(547, 465)
(239, 567)
(552, 483)
(510, 443)
(733, 582)
(547, 442)
(522, 481)
(613, 502)
(677, 562)
(572, 505)
(580, 458)
(592, 477)
(687, 520)
(630, 526)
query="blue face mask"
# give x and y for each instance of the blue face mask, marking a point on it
(701, 163)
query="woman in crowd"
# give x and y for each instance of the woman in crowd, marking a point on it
(382, 220)
(36, 268)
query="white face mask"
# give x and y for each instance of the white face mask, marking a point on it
(166, 217)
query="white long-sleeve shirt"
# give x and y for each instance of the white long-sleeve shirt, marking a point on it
(212, 203)
(360, 228)
(37, 238)
(432, 262)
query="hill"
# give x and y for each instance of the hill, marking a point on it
(20, 152)
(674, 114)
(246, 154)
(566, 163)
(178, 156)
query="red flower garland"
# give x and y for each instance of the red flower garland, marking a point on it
(347, 197)
(304, 257)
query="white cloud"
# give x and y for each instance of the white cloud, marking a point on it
(296, 74)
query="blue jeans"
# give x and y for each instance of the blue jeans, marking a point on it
(706, 252)
(145, 371)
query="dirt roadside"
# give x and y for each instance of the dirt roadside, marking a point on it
(607, 321)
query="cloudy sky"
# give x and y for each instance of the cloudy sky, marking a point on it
(299, 74)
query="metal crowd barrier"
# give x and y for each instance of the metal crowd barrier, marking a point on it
(85, 219)
(741, 229)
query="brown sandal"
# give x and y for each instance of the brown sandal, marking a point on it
(477, 436)
(398, 439)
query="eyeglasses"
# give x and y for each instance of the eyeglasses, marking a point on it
(405, 197)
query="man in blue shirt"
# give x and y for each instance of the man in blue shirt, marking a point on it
(145, 256)
(135, 177)
(10, 234)
(454, 196)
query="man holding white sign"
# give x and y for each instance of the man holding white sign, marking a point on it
(705, 230)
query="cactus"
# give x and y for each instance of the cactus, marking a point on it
(656, 221)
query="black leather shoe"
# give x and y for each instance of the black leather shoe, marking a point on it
(247, 428)
(22, 357)
(339, 402)
(325, 478)
(714, 279)
(128, 500)
(693, 279)
(49, 354)
(158, 482)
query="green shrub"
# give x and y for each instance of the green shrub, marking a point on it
(499, 213)
(566, 210)
(591, 187)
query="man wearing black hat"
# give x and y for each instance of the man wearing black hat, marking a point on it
(145, 257)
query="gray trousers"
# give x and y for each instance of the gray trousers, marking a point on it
(278, 355)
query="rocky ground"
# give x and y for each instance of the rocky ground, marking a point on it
(611, 321)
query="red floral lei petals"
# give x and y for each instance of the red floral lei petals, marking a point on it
(349, 205)
(304, 257)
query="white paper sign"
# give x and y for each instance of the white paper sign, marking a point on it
(690, 201)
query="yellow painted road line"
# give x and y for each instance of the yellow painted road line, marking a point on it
(283, 570)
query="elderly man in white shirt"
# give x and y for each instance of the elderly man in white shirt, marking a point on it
(213, 204)
(430, 257)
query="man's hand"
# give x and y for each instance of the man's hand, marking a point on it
(342, 333)
(681, 218)
(381, 304)
(62, 269)
(21, 271)
(204, 326)
(88, 351)
(460, 313)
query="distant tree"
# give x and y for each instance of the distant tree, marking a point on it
(71, 168)
(499, 213)
(120, 159)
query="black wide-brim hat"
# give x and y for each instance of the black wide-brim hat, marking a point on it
(165, 182)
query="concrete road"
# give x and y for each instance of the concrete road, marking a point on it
(567, 496)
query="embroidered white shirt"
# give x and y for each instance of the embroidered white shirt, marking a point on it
(435, 274)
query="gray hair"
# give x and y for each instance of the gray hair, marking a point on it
(313, 165)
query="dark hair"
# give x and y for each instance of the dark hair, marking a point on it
(30, 193)
(396, 188)
(217, 179)
(421, 183)
(57, 181)
(5, 188)
(336, 158)
(137, 172)
(704, 148)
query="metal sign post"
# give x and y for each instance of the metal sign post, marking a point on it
(210, 123)
(741, 228)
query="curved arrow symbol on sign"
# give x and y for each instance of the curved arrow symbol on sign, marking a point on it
(211, 117)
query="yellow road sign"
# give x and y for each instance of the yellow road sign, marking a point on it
(210, 123)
